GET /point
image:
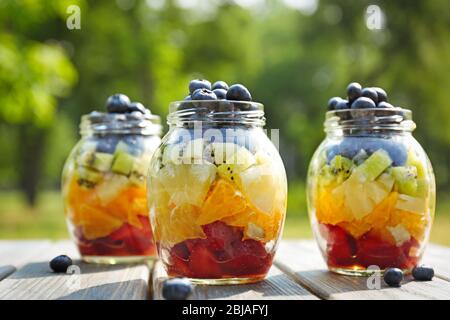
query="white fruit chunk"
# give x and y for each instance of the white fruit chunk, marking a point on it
(187, 184)
(400, 234)
(370, 169)
(111, 187)
(411, 204)
(254, 231)
(260, 186)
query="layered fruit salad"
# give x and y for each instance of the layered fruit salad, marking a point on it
(104, 188)
(217, 207)
(372, 197)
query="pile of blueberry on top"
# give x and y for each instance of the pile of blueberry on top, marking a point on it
(120, 103)
(360, 98)
(200, 89)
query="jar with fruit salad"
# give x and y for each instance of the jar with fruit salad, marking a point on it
(371, 188)
(104, 183)
(217, 188)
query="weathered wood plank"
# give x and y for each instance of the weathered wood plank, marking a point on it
(438, 257)
(276, 286)
(36, 281)
(14, 254)
(302, 260)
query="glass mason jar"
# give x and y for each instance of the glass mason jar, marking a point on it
(217, 193)
(104, 187)
(371, 192)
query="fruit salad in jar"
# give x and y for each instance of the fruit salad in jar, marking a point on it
(217, 188)
(371, 188)
(104, 183)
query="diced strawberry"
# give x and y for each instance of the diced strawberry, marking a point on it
(222, 254)
(374, 251)
(247, 265)
(180, 250)
(203, 263)
(341, 247)
(249, 247)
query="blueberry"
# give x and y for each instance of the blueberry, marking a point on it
(351, 146)
(238, 92)
(137, 107)
(117, 103)
(385, 105)
(188, 98)
(199, 84)
(220, 93)
(135, 143)
(353, 91)
(393, 277)
(60, 263)
(220, 85)
(333, 102)
(381, 94)
(341, 105)
(396, 150)
(107, 144)
(370, 93)
(96, 117)
(203, 94)
(363, 103)
(423, 273)
(177, 289)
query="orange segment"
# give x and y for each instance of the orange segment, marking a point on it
(330, 207)
(178, 224)
(223, 201)
(269, 223)
(415, 223)
(98, 220)
(96, 223)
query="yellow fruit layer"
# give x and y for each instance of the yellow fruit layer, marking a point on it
(98, 219)
(332, 210)
(224, 202)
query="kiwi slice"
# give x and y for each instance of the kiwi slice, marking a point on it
(102, 161)
(370, 169)
(405, 179)
(123, 163)
(339, 169)
(87, 177)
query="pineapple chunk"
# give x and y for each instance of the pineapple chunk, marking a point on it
(400, 234)
(412, 204)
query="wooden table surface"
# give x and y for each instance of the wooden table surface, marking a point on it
(298, 273)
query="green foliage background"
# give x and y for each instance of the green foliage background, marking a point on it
(292, 59)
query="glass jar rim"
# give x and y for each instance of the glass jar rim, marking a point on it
(120, 123)
(216, 111)
(389, 119)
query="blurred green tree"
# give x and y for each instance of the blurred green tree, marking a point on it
(34, 75)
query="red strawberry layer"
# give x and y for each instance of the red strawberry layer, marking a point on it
(344, 251)
(223, 254)
(125, 241)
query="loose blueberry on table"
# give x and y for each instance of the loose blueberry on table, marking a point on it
(177, 289)
(61, 263)
(393, 277)
(423, 273)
